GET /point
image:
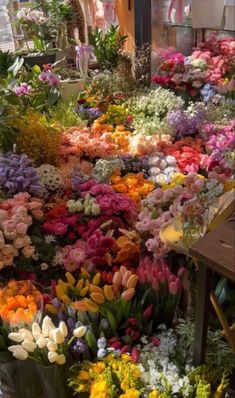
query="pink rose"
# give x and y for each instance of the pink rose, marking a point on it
(105, 202)
(8, 260)
(21, 228)
(38, 214)
(28, 251)
(8, 250)
(19, 243)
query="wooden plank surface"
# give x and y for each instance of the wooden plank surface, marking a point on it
(217, 249)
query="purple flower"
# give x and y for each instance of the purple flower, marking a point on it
(184, 123)
(16, 175)
(23, 89)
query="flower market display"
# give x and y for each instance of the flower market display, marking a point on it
(94, 301)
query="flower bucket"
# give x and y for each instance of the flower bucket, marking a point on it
(19, 379)
(53, 381)
(71, 88)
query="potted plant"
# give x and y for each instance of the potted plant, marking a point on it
(71, 82)
(45, 25)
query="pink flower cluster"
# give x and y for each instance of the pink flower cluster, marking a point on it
(23, 89)
(159, 276)
(15, 218)
(109, 201)
(74, 256)
(78, 143)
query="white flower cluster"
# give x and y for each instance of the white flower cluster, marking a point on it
(46, 337)
(88, 205)
(27, 15)
(50, 178)
(151, 107)
(159, 372)
(162, 169)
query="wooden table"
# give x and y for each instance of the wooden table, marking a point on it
(214, 252)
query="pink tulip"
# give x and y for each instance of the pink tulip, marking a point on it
(148, 312)
(125, 349)
(135, 354)
(173, 288)
(155, 341)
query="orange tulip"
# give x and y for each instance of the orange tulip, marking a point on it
(98, 298)
(128, 294)
(132, 281)
(117, 279)
(126, 277)
(96, 279)
(91, 306)
(83, 292)
(80, 305)
(96, 289)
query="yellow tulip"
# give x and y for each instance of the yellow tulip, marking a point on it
(85, 273)
(70, 278)
(79, 284)
(96, 279)
(108, 292)
(66, 300)
(83, 292)
(50, 308)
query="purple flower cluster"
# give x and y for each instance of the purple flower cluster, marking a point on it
(23, 89)
(50, 78)
(16, 175)
(135, 164)
(184, 123)
(89, 113)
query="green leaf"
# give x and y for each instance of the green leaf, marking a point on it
(91, 340)
(112, 321)
(53, 96)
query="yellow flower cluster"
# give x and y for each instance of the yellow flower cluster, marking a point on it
(36, 138)
(114, 376)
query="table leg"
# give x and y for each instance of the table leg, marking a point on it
(201, 316)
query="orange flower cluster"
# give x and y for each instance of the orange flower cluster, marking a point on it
(127, 249)
(133, 185)
(121, 138)
(19, 303)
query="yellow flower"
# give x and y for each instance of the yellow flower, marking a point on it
(126, 357)
(154, 394)
(84, 375)
(98, 367)
(99, 390)
(70, 278)
(132, 393)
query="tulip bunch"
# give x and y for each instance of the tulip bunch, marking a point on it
(20, 303)
(165, 288)
(15, 219)
(88, 206)
(47, 343)
(122, 288)
(133, 185)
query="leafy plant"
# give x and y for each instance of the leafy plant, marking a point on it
(9, 64)
(7, 133)
(107, 47)
(64, 114)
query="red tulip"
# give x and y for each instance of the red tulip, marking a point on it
(125, 349)
(132, 321)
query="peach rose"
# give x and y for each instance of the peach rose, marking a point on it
(28, 251)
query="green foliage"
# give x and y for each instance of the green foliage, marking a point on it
(107, 47)
(219, 356)
(10, 64)
(64, 114)
(7, 133)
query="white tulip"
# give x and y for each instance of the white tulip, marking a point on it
(52, 356)
(79, 332)
(63, 328)
(17, 337)
(41, 342)
(61, 359)
(52, 346)
(58, 336)
(36, 330)
(47, 324)
(26, 334)
(37, 336)
(29, 346)
(12, 348)
(18, 352)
